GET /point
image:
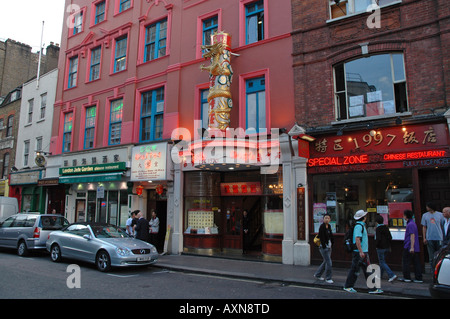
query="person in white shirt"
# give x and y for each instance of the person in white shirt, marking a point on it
(129, 224)
(154, 228)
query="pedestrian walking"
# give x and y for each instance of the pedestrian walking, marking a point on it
(326, 242)
(383, 240)
(360, 255)
(411, 250)
(154, 228)
(142, 227)
(432, 222)
(245, 231)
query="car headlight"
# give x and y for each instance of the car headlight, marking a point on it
(153, 250)
(123, 251)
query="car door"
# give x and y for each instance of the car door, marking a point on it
(5, 231)
(81, 247)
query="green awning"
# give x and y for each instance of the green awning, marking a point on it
(110, 177)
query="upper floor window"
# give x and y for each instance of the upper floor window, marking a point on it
(115, 122)
(254, 22)
(370, 86)
(89, 128)
(124, 5)
(73, 70)
(9, 127)
(155, 40)
(204, 108)
(255, 90)
(5, 165)
(30, 110)
(152, 112)
(210, 26)
(340, 8)
(43, 105)
(26, 152)
(120, 58)
(78, 23)
(94, 73)
(67, 131)
(100, 12)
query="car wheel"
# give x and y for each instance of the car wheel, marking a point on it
(22, 249)
(55, 253)
(103, 261)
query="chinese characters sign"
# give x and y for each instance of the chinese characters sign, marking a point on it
(386, 145)
(149, 162)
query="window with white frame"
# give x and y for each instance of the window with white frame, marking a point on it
(30, 111)
(341, 8)
(370, 86)
(39, 143)
(43, 105)
(26, 152)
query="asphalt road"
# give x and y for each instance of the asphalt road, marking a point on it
(37, 277)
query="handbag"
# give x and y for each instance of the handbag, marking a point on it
(317, 240)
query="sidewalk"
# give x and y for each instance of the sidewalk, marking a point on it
(288, 274)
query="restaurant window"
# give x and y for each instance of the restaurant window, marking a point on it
(387, 193)
(370, 86)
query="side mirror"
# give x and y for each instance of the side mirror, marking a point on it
(87, 237)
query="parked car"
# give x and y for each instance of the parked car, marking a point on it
(103, 244)
(440, 287)
(29, 231)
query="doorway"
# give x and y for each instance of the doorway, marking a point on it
(159, 204)
(233, 237)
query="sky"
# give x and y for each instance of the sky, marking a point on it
(21, 20)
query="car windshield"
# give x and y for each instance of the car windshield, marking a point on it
(108, 231)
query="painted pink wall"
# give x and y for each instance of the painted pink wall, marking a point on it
(179, 71)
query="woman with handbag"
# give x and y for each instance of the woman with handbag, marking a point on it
(325, 236)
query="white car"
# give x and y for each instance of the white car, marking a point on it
(440, 288)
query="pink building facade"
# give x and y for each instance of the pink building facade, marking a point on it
(130, 75)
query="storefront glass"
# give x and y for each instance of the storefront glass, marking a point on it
(387, 193)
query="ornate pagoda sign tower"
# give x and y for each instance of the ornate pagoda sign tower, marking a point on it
(220, 78)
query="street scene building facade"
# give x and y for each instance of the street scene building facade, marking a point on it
(376, 100)
(241, 123)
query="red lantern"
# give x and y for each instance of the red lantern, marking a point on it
(159, 189)
(139, 190)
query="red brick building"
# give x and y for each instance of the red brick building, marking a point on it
(372, 85)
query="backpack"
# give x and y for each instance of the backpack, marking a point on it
(348, 239)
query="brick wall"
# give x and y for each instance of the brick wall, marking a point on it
(419, 29)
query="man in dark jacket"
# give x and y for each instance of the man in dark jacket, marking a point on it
(142, 228)
(383, 240)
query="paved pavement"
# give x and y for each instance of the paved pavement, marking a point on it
(288, 274)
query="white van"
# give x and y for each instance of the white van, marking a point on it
(8, 207)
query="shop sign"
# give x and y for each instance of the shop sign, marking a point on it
(379, 149)
(149, 162)
(93, 169)
(240, 189)
(26, 177)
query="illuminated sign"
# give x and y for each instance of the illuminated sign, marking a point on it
(149, 162)
(240, 189)
(334, 160)
(413, 155)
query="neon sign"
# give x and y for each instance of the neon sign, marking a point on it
(335, 160)
(413, 155)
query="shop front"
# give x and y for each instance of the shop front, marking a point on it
(383, 171)
(231, 206)
(97, 192)
(150, 174)
(24, 186)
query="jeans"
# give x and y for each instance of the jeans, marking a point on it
(433, 246)
(406, 262)
(357, 263)
(326, 264)
(381, 260)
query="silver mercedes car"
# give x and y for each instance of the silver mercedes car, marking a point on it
(103, 244)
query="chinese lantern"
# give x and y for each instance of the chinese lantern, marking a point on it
(159, 189)
(139, 190)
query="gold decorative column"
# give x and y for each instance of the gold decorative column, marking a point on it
(220, 78)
